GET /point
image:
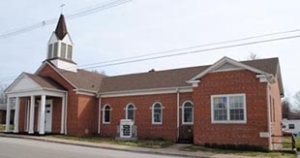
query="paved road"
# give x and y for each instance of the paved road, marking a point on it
(22, 148)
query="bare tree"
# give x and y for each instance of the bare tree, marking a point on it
(296, 100)
(285, 108)
(2, 94)
(252, 56)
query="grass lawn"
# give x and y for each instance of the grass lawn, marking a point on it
(242, 153)
(2, 127)
(138, 143)
(287, 142)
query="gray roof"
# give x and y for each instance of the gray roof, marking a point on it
(172, 78)
(83, 79)
(93, 81)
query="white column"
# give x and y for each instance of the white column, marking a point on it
(63, 106)
(7, 115)
(31, 118)
(42, 116)
(27, 115)
(17, 112)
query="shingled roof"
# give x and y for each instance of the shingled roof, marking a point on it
(92, 81)
(82, 79)
(61, 28)
(172, 78)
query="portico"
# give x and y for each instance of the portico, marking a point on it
(37, 97)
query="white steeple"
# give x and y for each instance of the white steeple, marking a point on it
(60, 47)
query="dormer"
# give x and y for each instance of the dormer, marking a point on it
(60, 47)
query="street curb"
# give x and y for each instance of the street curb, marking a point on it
(96, 146)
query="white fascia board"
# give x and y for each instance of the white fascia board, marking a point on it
(37, 92)
(146, 92)
(223, 61)
(85, 92)
(266, 78)
(47, 63)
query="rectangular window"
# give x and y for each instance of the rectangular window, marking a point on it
(228, 108)
(63, 50)
(291, 126)
(55, 51)
(70, 50)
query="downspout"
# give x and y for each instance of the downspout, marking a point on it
(177, 91)
(269, 116)
(66, 114)
(99, 116)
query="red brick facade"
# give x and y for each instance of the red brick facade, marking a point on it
(143, 115)
(233, 82)
(83, 111)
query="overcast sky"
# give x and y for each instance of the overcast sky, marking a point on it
(141, 27)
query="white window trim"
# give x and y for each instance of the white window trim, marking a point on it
(103, 114)
(182, 113)
(152, 114)
(228, 114)
(126, 111)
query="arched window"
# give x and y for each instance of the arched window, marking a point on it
(187, 113)
(106, 114)
(156, 113)
(130, 111)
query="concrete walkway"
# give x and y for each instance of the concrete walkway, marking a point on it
(174, 150)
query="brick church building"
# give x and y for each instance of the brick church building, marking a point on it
(228, 102)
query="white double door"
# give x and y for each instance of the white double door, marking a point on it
(48, 116)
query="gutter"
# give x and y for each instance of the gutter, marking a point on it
(178, 100)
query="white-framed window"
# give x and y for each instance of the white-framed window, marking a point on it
(229, 108)
(291, 126)
(187, 113)
(106, 114)
(157, 113)
(130, 111)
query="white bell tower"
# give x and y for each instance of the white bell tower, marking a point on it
(60, 47)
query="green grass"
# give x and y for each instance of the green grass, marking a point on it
(194, 148)
(2, 127)
(287, 142)
(138, 143)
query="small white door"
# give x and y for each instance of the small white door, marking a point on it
(48, 117)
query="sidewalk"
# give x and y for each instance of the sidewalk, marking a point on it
(173, 150)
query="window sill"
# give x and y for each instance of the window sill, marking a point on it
(229, 122)
(106, 123)
(156, 123)
(187, 123)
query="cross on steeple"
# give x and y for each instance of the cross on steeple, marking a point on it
(62, 6)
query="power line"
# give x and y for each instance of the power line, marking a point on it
(191, 52)
(97, 8)
(198, 51)
(197, 46)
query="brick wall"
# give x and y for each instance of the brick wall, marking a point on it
(87, 115)
(276, 113)
(143, 115)
(72, 119)
(232, 82)
(56, 114)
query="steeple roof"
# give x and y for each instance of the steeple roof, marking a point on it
(61, 28)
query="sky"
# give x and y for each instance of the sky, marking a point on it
(143, 27)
